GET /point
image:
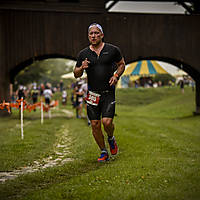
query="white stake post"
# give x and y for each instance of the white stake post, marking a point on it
(22, 128)
(42, 114)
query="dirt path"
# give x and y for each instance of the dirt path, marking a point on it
(59, 157)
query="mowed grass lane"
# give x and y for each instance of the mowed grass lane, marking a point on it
(159, 153)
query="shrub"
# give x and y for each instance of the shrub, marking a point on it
(164, 78)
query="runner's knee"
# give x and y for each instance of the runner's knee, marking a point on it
(96, 124)
(107, 122)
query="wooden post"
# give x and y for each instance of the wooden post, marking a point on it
(197, 94)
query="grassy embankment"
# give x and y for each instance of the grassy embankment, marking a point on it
(159, 151)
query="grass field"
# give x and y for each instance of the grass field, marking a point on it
(159, 152)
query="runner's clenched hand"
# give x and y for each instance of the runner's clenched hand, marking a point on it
(85, 63)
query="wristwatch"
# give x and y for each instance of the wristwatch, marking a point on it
(117, 76)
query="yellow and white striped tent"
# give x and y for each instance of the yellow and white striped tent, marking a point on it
(144, 68)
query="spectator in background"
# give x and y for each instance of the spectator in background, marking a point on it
(34, 94)
(192, 85)
(61, 85)
(136, 84)
(13, 97)
(42, 88)
(181, 82)
(64, 96)
(84, 88)
(47, 95)
(73, 86)
(169, 83)
(21, 92)
(79, 99)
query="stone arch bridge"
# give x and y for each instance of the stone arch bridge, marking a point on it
(28, 33)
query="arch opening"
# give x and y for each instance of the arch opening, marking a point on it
(42, 70)
(30, 61)
(176, 63)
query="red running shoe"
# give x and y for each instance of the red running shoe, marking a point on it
(113, 146)
(103, 157)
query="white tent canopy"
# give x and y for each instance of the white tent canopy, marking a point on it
(179, 73)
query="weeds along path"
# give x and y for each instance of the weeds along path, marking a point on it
(60, 155)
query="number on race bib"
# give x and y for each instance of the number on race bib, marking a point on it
(92, 98)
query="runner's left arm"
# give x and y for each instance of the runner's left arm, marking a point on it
(118, 73)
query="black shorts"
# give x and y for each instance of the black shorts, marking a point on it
(47, 101)
(105, 108)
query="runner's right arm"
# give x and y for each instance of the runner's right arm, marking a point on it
(78, 71)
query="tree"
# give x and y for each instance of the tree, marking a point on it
(164, 78)
(49, 70)
(30, 74)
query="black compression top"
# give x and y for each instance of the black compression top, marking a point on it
(101, 68)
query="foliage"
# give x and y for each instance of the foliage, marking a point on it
(164, 78)
(32, 73)
(55, 68)
(49, 70)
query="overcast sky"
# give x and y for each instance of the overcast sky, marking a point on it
(147, 7)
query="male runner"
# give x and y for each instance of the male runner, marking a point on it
(101, 60)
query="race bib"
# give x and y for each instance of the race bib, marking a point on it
(92, 98)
